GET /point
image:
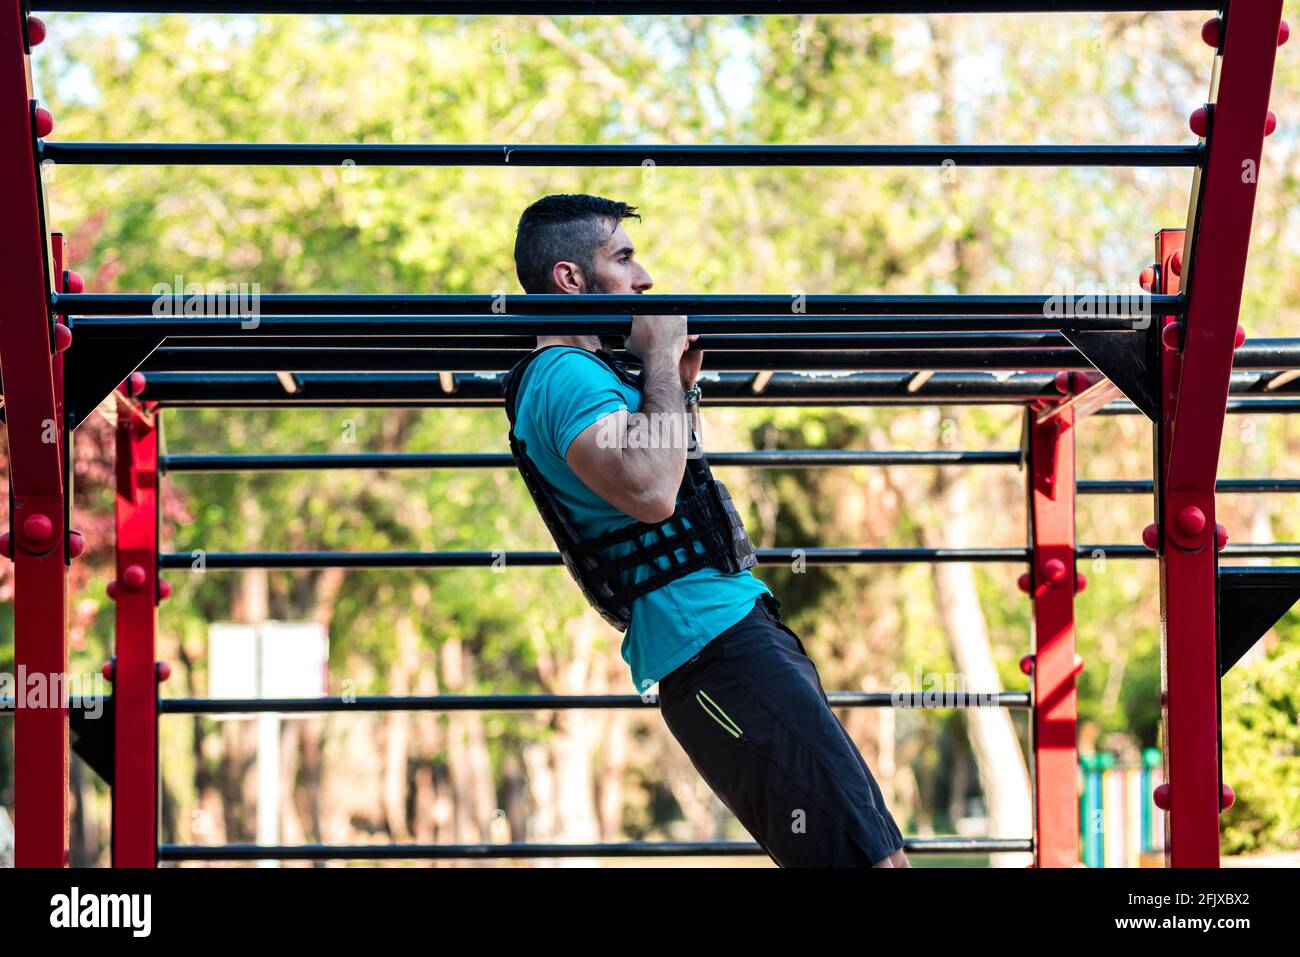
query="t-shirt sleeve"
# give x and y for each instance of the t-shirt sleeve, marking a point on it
(576, 391)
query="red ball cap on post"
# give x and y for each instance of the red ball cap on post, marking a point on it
(1227, 797)
(1199, 121)
(1191, 521)
(1270, 123)
(135, 384)
(111, 591)
(1151, 536)
(1080, 582)
(110, 666)
(1172, 336)
(164, 589)
(1212, 32)
(36, 31)
(1147, 278)
(1283, 33)
(1161, 796)
(1024, 583)
(38, 528)
(1239, 337)
(162, 671)
(6, 545)
(1220, 535)
(62, 337)
(73, 281)
(76, 544)
(1027, 664)
(1054, 570)
(1176, 262)
(134, 577)
(44, 122)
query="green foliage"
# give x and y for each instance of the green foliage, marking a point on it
(1261, 751)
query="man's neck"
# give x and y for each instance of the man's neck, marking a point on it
(590, 343)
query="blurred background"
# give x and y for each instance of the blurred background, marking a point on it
(578, 776)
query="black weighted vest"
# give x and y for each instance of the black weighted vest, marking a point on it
(716, 536)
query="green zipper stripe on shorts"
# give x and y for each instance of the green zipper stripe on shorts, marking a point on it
(724, 719)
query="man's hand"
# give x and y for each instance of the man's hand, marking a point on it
(657, 336)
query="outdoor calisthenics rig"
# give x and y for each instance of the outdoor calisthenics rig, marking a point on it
(1170, 351)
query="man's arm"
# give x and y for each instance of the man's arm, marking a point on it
(641, 482)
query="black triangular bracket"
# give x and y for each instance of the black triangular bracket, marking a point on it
(93, 368)
(1252, 599)
(90, 734)
(1127, 358)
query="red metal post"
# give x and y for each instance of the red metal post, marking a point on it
(135, 682)
(1195, 392)
(35, 472)
(1052, 582)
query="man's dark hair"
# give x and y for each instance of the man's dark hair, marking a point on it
(564, 228)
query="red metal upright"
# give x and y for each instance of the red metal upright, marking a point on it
(35, 429)
(1197, 367)
(1052, 582)
(135, 682)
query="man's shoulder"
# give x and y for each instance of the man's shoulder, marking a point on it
(567, 367)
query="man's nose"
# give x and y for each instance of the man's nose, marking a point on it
(643, 282)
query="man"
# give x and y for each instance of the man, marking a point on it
(657, 548)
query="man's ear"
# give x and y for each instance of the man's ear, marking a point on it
(567, 277)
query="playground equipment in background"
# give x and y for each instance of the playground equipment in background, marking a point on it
(1120, 825)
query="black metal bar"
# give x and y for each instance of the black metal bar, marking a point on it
(324, 389)
(325, 852)
(321, 390)
(920, 700)
(228, 306)
(766, 458)
(1279, 406)
(611, 7)
(1223, 486)
(767, 342)
(199, 560)
(1261, 550)
(582, 155)
(431, 360)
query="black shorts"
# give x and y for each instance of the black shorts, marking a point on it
(750, 712)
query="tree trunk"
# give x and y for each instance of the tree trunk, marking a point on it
(1004, 777)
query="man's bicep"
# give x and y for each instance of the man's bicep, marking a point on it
(596, 457)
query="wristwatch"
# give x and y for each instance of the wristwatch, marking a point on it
(691, 396)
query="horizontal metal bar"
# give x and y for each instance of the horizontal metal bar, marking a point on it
(1118, 311)
(611, 7)
(1263, 575)
(582, 155)
(1261, 550)
(172, 359)
(484, 390)
(257, 390)
(199, 560)
(920, 700)
(375, 338)
(1223, 486)
(765, 458)
(390, 852)
(1278, 406)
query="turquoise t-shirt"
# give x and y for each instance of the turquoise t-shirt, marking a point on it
(563, 392)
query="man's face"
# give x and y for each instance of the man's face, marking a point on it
(616, 269)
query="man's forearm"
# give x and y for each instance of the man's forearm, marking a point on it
(659, 458)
